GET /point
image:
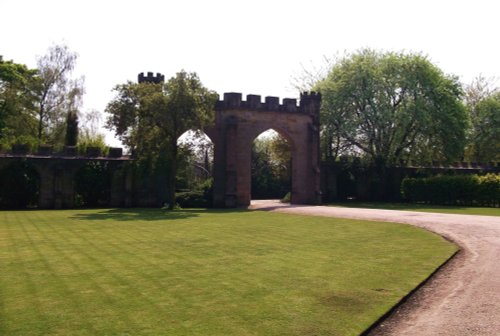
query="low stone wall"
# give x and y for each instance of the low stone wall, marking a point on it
(349, 179)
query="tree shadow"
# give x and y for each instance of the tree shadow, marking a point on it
(136, 215)
(145, 214)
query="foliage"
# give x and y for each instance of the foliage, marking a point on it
(229, 272)
(193, 167)
(392, 106)
(17, 119)
(88, 133)
(96, 141)
(270, 167)
(195, 161)
(149, 118)
(200, 197)
(483, 106)
(287, 198)
(93, 184)
(20, 186)
(191, 199)
(71, 129)
(57, 94)
(459, 189)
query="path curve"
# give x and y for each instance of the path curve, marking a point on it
(463, 298)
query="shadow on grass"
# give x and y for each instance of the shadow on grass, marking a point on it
(144, 214)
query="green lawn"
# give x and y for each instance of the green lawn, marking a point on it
(460, 210)
(199, 272)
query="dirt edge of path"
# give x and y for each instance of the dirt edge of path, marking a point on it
(408, 302)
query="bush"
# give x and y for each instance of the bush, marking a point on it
(287, 198)
(489, 190)
(93, 184)
(460, 189)
(201, 198)
(191, 199)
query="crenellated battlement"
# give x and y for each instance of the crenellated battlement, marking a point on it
(151, 78)
(309, 103)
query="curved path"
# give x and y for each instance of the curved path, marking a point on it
(463, 298)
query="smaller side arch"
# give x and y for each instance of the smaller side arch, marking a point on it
(20, 181)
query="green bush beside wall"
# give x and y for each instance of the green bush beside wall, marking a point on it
(456, 190)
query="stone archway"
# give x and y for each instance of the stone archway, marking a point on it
(239, 122)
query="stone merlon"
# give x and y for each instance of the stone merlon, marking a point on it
(151, 78)
(233, 101)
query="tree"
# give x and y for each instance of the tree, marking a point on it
(17, 120)
(57, 93)
(93, 184)
(483, 106)
(196, 153)
(71, 129)
(270, 166)
(393, 106)
(149, 118)
(88, 132)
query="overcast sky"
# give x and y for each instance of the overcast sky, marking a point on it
(253, 47)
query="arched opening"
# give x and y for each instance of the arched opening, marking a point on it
(271, 166)
(194, 182)
(20, 183)
(93, 184)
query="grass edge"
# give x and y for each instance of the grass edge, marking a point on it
(405, 298)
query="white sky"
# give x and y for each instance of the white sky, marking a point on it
(253, 47)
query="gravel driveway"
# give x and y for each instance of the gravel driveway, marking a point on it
(463, 298)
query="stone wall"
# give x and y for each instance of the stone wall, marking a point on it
(349, 179)
(57, 173)
(238, 122)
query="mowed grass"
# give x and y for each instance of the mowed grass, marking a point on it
(450, 209)
(200, 272)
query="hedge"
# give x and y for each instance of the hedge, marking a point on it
(201, 198)
(454, 190)
(192, 199)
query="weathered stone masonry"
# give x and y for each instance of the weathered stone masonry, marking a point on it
(57, 175)
(239, 122)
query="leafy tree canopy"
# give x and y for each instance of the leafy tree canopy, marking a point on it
(57, 93)
(393, 106)
(483, 105)
(17, 120)
(149, 118)
(271, 166)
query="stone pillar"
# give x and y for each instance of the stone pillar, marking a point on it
(306, 173)
(216, 134)
(231, 164)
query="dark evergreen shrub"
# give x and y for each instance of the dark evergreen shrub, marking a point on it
(459, 190)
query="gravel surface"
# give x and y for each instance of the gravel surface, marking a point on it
(463, 298)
